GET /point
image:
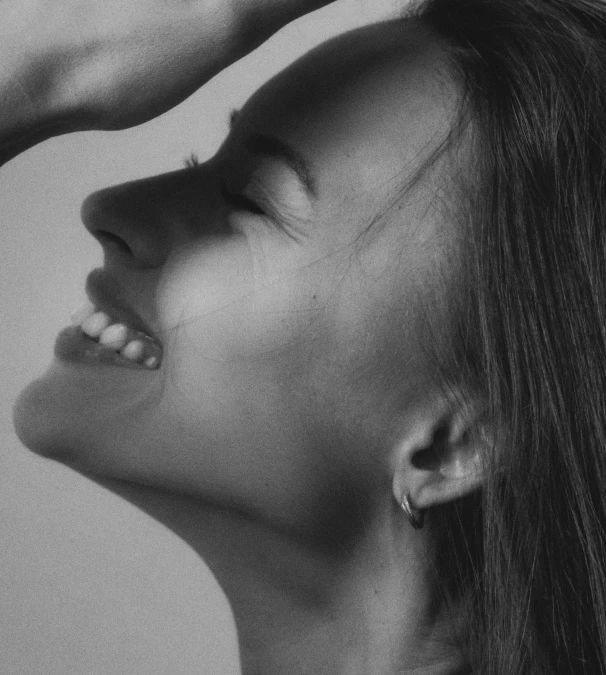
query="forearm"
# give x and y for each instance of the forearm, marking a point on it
(71, 65)
(38, 64)
(30, 109)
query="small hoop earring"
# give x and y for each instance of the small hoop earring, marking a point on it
(416, 517)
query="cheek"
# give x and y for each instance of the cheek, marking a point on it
(242, 337)
(227, 302)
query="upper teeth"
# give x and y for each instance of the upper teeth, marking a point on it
(132, 344)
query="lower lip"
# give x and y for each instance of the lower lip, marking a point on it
(73, 346)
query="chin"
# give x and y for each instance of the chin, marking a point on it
(72, 406)
(39, 418)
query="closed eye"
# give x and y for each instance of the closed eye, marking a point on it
(241, 202)
(238, 201)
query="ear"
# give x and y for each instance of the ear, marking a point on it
(441, 455)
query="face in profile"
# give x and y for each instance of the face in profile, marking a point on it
(266, 302)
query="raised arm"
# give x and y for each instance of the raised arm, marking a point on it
(70, 65)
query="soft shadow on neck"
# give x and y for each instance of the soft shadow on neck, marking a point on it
(301, 606)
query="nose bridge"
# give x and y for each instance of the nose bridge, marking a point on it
(142, 220)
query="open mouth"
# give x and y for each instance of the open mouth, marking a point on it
(108, 336)
(107, 330)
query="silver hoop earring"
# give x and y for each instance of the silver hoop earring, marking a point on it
(415, 516)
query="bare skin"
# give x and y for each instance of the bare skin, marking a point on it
(294, 503)
(80, 64)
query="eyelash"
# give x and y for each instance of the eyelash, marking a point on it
(192, 161)
(241, 202)
(238, 201)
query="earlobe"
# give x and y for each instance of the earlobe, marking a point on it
(441, 458)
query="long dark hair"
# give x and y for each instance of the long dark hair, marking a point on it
(531, 549)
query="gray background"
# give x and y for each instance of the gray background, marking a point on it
(89, 585)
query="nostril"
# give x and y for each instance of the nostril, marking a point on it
(109, 239)
(128, 224)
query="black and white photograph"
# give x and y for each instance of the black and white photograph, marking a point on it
(303, 309)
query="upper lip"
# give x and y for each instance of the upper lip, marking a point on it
(107, 296)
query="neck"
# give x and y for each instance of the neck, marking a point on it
(301, 608)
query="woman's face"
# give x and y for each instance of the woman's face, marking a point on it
(285, 279)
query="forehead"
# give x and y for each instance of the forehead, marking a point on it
(366, 108)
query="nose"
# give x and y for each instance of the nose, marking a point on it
(138, 223)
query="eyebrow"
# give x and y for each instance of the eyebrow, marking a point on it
(263, 145)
